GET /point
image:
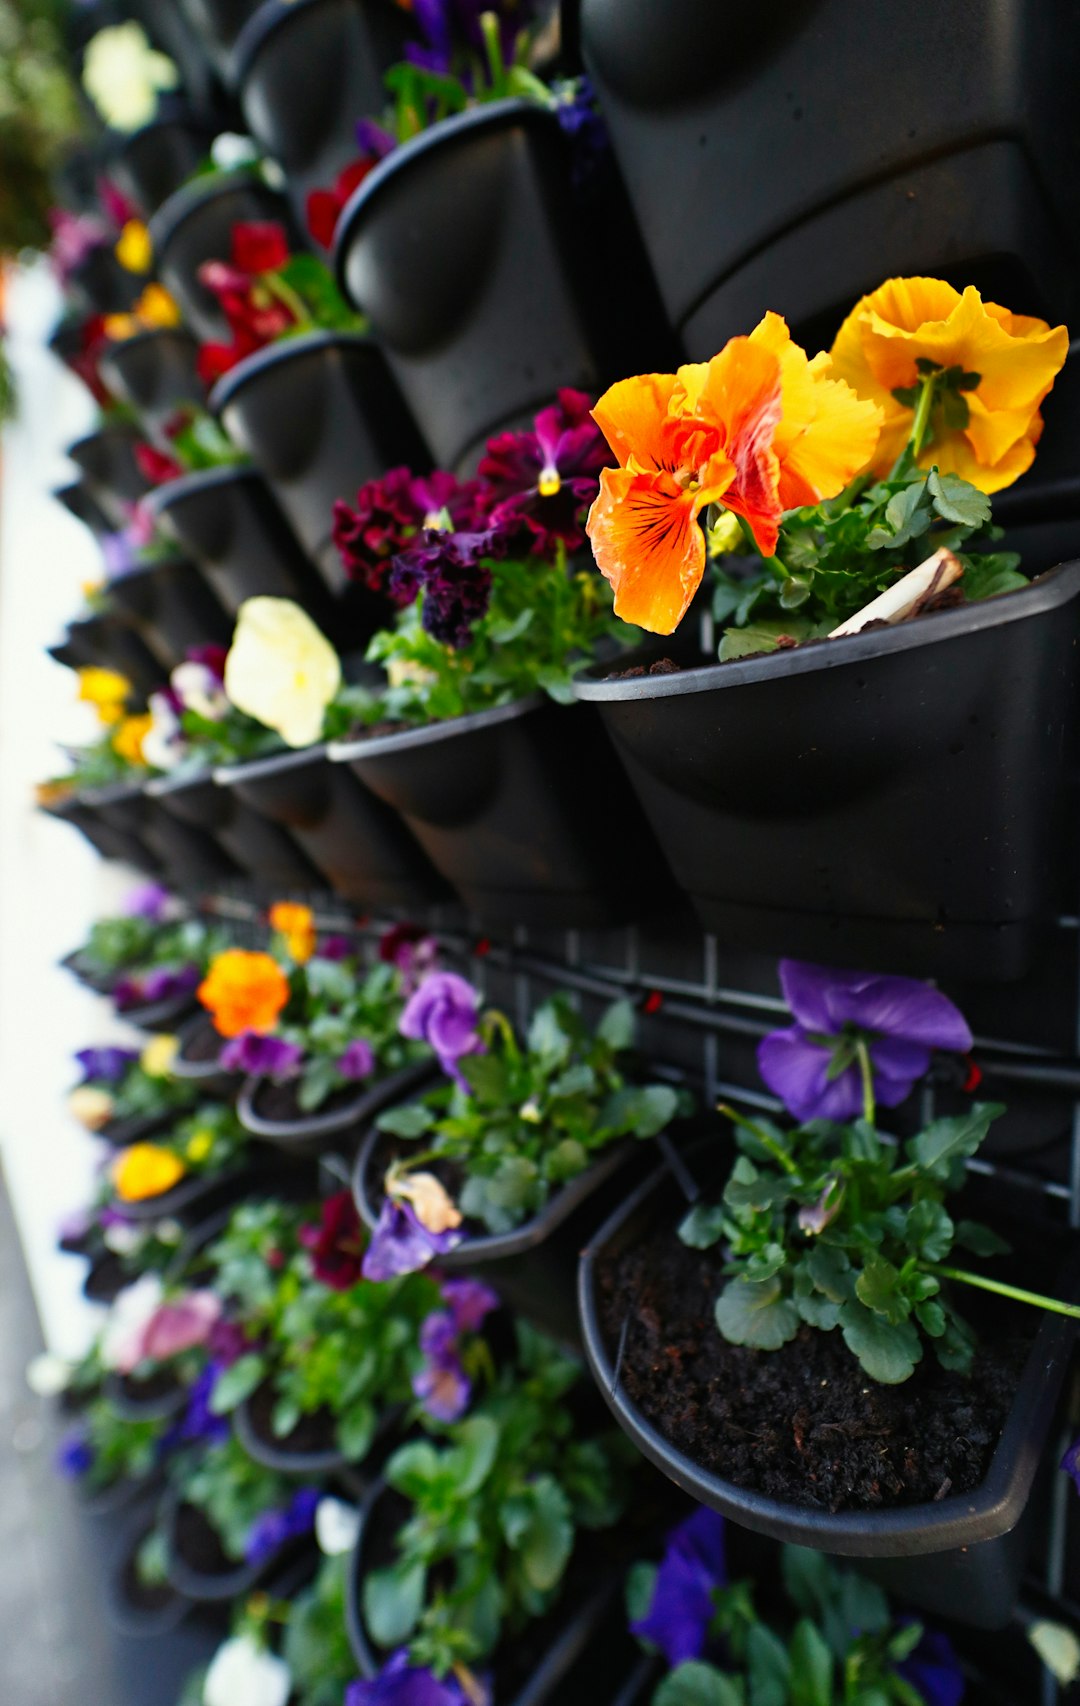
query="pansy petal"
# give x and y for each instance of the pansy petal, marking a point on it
(796, 1070)
(632, 414)
(808, 990)
(647, 543)
(905, 1007)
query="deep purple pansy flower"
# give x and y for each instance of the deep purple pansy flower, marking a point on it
(161, 983)
(373, 138)
(692, 1568)
(263, 1057)
(106, 1065)
(75, 1456)
(270, 1531)
(810, 1065)
(934, 1670)
(469, 1301)
(443, 1013)
(400, 1244)
(545, 480)
(198, 1422)
(451, 571)
(336, 948)
(401, 1684)
(358, 1061)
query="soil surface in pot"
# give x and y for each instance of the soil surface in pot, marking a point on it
(197, 1543)
(279, 1102)
(802, 1424)
(147, 1390)
(203, 1043)
(315, 1432)
(140, 1595)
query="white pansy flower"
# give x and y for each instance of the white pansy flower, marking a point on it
(123, 1239)
(1058, 1648)
(243, 1673)
(281, 670)
(130, 1311)
(163, 745)
(200, 690)
(48, 1375)
(336, 1526)
(123, 75)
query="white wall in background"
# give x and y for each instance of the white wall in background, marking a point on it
(52, 884)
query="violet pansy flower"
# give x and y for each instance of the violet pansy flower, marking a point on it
(358, 1061)
(692, 1568)
(106, 1065)
(934, 1670)
(443, 1013)
(262, 1057)
(147, 900)
(401, 1684)
(270, 1531)
(544, 480)
(442, 1386)
(469, 1301)
(812, 1065)
(401, 1244)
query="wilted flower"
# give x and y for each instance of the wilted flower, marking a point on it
(244, 990)
(92, 1107)
(107, 1064)
(813, 1065)
(281, 670)
(243, 1673)
(262, 1057)
(682, 1607)
(145, 1170)
(443, 1013)
(336, 1245)
(545, 479)
(433, 1204)
(401, 1244)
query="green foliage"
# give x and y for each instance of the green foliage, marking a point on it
(333, 1006)
(542, 623)
(534, 1117)
(200, 441)
(874, 1225)
(138, 945)
(307, 285)
(421, 97)
(315, 1645)
(122, 1450)
(494, 1515)
(209, 1139)
(142, 1093)
(39, 117)
(231, 1490)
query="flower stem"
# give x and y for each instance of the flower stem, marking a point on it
(1000, 1289)
(866, 1073)
(920, 426)
(766, 1141)
(287, 296)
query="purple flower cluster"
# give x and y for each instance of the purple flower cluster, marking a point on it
(262, 1057)
(452, 33)
(162, 983)
(274, 1528)
(812, 1065)
(106, 1065)
(442, 1385)
(694, 1565)
(401, 1684)
(443, 1012)
(401, 1244)
(411, 950)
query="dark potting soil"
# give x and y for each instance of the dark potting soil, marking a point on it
(802, 1424)
(203, 1044)
(148, 1389)
(315, 1432)
(198, 1545)
(279, 1102)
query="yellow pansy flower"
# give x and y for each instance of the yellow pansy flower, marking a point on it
(296, 925)
(127, 742)
(158, 1055)
(281, 669)
(134, 250)
(145, 1170)
(199, 1145)
(156, 307)
(106, 690)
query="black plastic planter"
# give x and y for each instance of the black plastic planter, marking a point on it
(134, 1610)
(172, 607)
(959, 1556)
(319, 415)
(121, 812)
(155, 372)
(339, 47)
(107, 842)
(264, 850)
(328, 1460)
(196, 225)
(336, 1128)
(463, 249)
(98, 284)
(194, 1197)
(227, 519)
(138, 1128)
(977, 184)
(156, 1402)
(522, 811)
(106, 459)
(152, 163)
(110, 641)
(532, 1267)
(160, 1016)
(197, 1064)
(894, 798)
(357, 842)
(574, 1668)
(217, 23)
(191, 859)
(206, 1587)
(83, 506)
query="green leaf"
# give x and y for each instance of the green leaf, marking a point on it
(640, 1587)
(618, 1026)
(878, 1286)
(888, 1352)
(764, 1263)
(830, 1270)
(413, 1468)
(759, 637)
(948, 1140)
(356, 1430)
(547, 1541)
(703, 1226)
(412, 1120)
(907, 516)
(929, 1230)
(235, 1384)
(566, 1161)
(980, 1240)
(473, 1456)
(577, 1080)
(758, 1315)
(697, 1684)
(489, 1077)
(747, 1188)
(987, 574)
(931, 1318)
(956, 1346)
(393, 1600)
(547, 1039)
(957, 500)
(811, 1666)
(768, 1667)
(807, 1578)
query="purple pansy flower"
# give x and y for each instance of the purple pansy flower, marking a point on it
(443, 1013)
(106, 1065)
(450, 570)
(163, 983)
(270, 1531)
(261, 1057)
(336, 948)
(451, 30)
(198, 1421)
(400, 1244)
(692, 1568)
(442, 1386)
(934, 1670)
(1071, 1463)
(147, 900)
(228, 1343)
(401, 1684)
(544, 480)
(810, 1065)
(469, 1301)
(75, 1456)
(358, 1061)
(411, 951)
(374, 139)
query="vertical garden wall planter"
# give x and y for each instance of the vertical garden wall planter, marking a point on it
(520, 809)
(103, 838)
(153, 162)
(216, 25)
(227, 519)
(832, 193)
(357, 842)
(336, 1126)
(339, 47)
(894, 798)
(81, 503)
(195, 225)
(135, 1608)
(319, 414)
(110, 473)
(108, 640)
(959, 1556)
(265, 851)
(172, 607)
(98, 284)
(190, 858)
(463, 249)
(155, 373)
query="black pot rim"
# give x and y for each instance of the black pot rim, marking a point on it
(200, 480)
(111, 794)
(292, 758)
(366, 1105)
(265, 22)
(149, 335)
(183, 1195)
(988, 1511)
(496, 1246)
(157, 1409)
(328, 1461)
(171, 1009)
(108, 429)
(178, 782)
(491, 115)
(204, 1588)
(345, 751)
(126, 1618)
(196, 1069)
(190, 199)
(1047, 591)
(287, 349)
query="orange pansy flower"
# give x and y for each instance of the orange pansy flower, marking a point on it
(759, 429)
(296, 924)
(244, 991)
